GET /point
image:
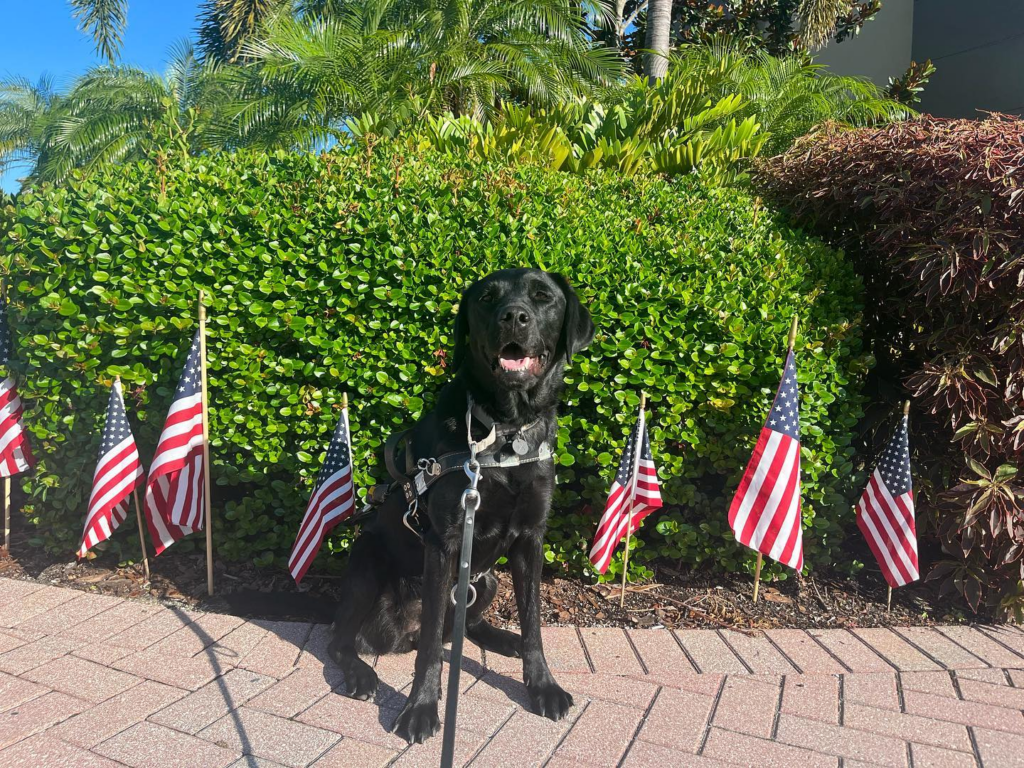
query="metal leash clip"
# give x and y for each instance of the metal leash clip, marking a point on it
(412, 512)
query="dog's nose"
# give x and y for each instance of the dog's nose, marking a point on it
(515, 316)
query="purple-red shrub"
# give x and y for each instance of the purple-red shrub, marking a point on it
(933, 212)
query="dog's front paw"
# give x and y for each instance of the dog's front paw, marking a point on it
(418, 722)
(550, 700)
(360, 682)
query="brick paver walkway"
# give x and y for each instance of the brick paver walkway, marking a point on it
(87, 680)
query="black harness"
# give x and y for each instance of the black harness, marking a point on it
(504, 446)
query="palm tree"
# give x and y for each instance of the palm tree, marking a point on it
(415, 57)
(105, 20)
(226, 25)
(111, 114)
(659, 29)
(818, 20)
(26, 113)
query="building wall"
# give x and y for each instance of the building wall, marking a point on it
(883, 47)
(978, 51)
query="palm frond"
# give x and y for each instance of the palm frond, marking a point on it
(104, 21)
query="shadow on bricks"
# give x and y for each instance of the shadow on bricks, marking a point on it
(219, 670)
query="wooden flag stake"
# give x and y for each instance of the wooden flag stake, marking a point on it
(757, 574)
(888, 597)
(7, 515)
(206, 447)
(138, 517)
(760, 558)
(629, 524)
(142, 533)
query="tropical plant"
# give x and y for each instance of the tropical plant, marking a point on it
(788, 95)
(654, 127)
(105, 21)
(26, 115)
(226, 25)
(907, 88)
(313, 72)
(111, 114)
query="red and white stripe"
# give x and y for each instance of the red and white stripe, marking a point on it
(113, 482)
(765, 513)
(888, 525)
(628, 504)
(174, 489)
(332, 501)
(15, 455)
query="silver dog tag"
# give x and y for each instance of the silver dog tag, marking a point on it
(520, 446)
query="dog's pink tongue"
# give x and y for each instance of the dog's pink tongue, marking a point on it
(515, 363)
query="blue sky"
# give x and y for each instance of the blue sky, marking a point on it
(41, 37)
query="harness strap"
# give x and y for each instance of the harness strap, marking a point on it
(391, 455)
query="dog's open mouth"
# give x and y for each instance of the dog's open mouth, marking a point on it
(513, 359)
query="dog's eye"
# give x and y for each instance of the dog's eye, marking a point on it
(487, 298)
(542, 296)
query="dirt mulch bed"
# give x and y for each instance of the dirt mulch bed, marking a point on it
(674, 598)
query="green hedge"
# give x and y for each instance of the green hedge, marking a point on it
(343, 272)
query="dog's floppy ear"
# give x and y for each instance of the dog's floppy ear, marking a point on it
(577, 327)
(461, 333)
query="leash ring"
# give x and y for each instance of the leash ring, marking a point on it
(470, 599)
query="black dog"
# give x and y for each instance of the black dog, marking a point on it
(516, 330)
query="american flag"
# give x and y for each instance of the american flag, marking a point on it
(15, 455)
(174, 488)
(635, 493)
(117, 473)
(333, 500)
(765, 513)
(885, 513)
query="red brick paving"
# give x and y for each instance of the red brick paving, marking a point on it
(801, 649)
(759, 654)
(940, 647)
(710, 652)
(812, 696)
(118, 683)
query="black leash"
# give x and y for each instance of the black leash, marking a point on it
(470, 503)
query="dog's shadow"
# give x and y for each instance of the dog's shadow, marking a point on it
(395, 674)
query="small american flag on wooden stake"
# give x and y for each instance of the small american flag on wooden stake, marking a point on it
(765, 512)
(117, 473)
(635, 493)
(333, 499)
(174, 505)
(885, 512)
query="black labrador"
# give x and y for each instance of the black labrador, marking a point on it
(514, 334)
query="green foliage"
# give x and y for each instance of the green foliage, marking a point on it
(111, 114)
(226, 25)
(789, 96)
(342, 273)
(579, 136)
(312, 72)
(907, 88)
(717, 107)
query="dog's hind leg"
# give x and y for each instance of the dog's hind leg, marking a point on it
(360, 591)
(479, 631)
